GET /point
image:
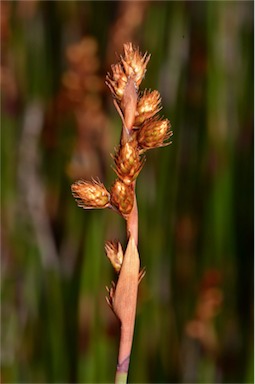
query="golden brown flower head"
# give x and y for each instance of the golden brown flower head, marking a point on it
(122, 197)
(154, 134)
(134, 63)
(128, 162)
(114, 253)
(90, 194)
(147, 106)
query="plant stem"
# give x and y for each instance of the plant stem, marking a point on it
(128, 278)
(121, 377)
(132, 221)
(127, 327)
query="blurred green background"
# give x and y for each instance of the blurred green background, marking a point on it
(58, 124)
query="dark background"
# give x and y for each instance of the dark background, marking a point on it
(58, 124)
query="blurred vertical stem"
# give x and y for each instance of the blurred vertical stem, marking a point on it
(222, 126)
(32, 188)
(32, 43)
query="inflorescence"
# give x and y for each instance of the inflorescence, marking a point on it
(142, 130)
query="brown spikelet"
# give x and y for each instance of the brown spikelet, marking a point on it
(90, 194)
(134, 63)
(154, 133)
(122, 197)
(148, 106)
(128, 162)
(132, 66)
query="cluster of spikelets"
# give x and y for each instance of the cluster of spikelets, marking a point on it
(142, 130)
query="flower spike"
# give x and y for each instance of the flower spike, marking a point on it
(142, 130)
(132, 65)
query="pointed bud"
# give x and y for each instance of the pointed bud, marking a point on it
(128, 162)
(122, 197)
(154, 134)
(134, 63)
(90, 194)
(147, 106)
(118, 81)
(114, 253)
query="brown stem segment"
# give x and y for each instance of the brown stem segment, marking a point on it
(129, 103)
(132, 221)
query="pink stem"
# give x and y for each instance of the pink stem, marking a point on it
(132, 222)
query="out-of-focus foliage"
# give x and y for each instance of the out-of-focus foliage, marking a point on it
(195, 312)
